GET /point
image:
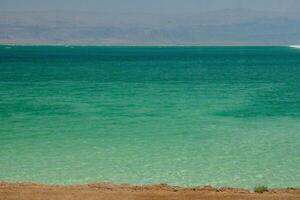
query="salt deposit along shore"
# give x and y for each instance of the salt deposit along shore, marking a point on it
(295, 46)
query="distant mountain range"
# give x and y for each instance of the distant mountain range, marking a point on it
(224, 27)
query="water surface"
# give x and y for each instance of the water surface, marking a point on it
(221, 116)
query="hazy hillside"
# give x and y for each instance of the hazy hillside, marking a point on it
(224, 27)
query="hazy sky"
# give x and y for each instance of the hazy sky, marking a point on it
(158, 6)
(120, 22)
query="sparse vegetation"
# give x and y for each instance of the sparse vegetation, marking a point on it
(260, 189)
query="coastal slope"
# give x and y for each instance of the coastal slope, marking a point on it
(107, 191)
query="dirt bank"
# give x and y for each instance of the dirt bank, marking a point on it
(107, 191)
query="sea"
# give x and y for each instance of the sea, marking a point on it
(185, 116)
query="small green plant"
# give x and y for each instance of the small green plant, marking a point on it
(260, 189)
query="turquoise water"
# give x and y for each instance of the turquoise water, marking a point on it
(221, 116)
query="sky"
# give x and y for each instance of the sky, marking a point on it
(152, 6)
(143, 22)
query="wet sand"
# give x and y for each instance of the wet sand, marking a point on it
(107, 191)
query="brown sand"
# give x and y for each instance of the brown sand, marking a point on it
(107, 191)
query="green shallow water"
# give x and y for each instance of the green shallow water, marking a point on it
(221, 116)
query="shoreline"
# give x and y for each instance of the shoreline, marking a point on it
(32, 191)
(143, 45)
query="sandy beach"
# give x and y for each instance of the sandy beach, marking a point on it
(108, 191)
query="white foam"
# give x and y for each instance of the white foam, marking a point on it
(295, 46)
